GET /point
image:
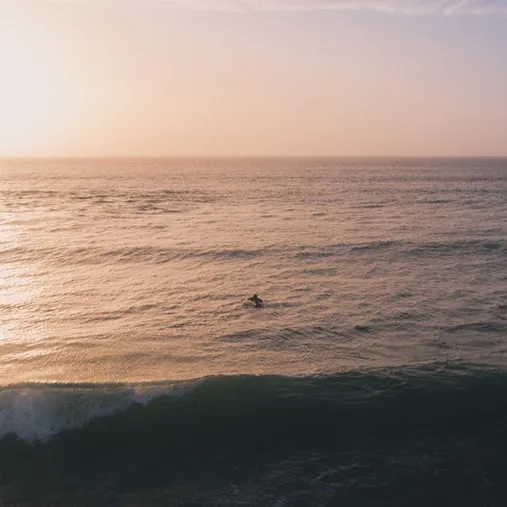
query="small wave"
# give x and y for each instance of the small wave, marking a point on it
(158, 255)
(314, 254)
(482, 327)
(92, 256)
(375, 245)
(370, 206)
(452, 247)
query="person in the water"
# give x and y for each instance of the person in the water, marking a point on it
(256, 300)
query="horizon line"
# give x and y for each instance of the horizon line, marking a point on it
(238, 157)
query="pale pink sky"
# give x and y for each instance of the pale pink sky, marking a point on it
(253, 78)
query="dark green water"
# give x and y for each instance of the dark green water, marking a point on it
(408, 436)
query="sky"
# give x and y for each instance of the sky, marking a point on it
(253, 78)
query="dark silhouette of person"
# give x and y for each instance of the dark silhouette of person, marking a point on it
(256, 300)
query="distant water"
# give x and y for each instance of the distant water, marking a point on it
(135, 373)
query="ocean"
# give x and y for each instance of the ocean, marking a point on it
(135, 372)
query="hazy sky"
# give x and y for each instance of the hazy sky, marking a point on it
(253, 77)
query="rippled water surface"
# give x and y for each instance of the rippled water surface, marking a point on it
(139, 270)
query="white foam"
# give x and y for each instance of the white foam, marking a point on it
(36, 413)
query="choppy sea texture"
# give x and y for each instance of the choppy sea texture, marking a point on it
(125, 270)
(134, 372)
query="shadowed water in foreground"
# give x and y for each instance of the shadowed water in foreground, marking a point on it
(409, 436)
